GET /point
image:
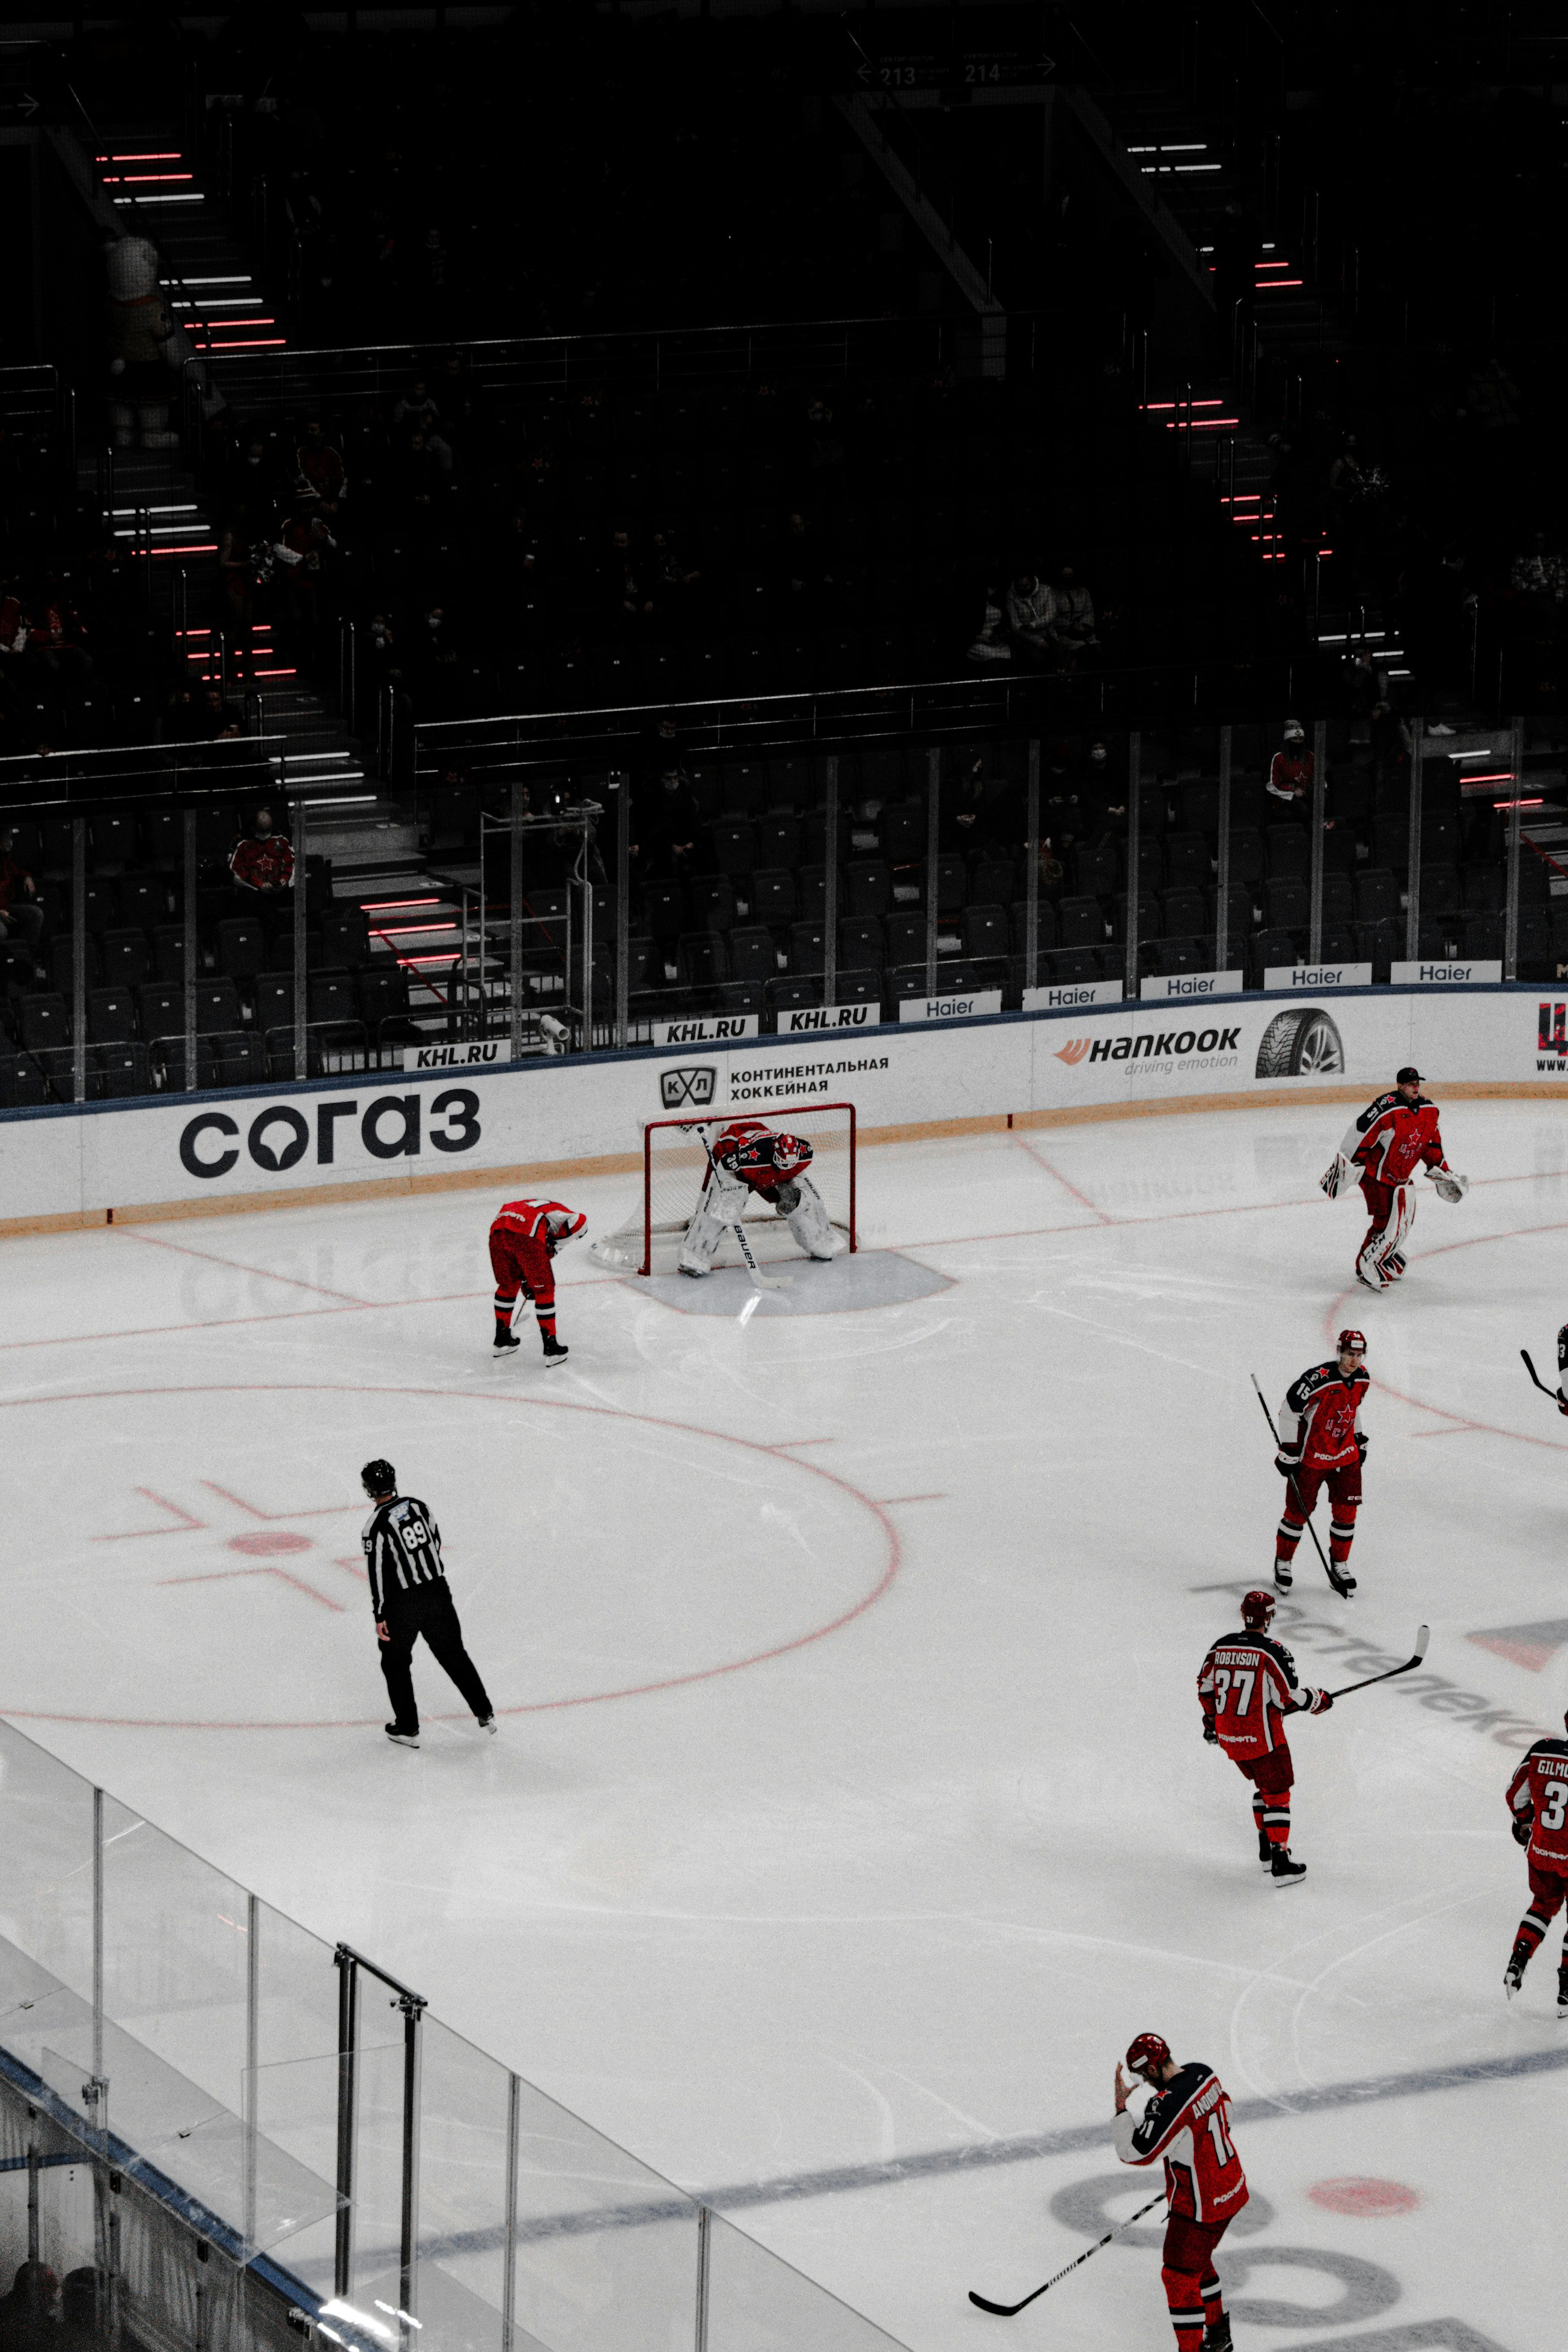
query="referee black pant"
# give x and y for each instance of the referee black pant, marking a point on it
(428, 1610)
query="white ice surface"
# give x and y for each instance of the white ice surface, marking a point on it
(909, 1880)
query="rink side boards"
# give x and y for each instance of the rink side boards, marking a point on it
(542, 1122)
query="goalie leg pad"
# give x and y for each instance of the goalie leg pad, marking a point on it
(721, 1206)
(703, 1236)
(809, 1222)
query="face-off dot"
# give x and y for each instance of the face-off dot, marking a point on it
(1364, 2197)
(258, 1547)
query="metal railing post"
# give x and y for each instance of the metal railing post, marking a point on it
(78, 959)
(348, 2120)
(188, 947)
(1412, 849)
(98, 1931)
(705, 2271)
(830, 881)
(251, 2060)
(509, 2244)
(932, 822)
(1511, 916)
(413, 2008)
(1319, 815)
(301, 910)
(1134, 829)
(1031, 870)
(587, 941)
(514, 922)
(622, 906)
(1222, 862)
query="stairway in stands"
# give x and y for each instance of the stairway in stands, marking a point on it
(214, 296)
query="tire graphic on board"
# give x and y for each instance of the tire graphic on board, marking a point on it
(1303, 1043)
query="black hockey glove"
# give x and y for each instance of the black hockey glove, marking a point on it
(1360, 1446)
(1211, 1731)
(1523, 1825)
(1287, 1465)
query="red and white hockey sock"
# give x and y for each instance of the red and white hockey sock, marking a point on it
(1341, 1535)
(1532, 1931)
(504, 1310)
(1287, 1536)
(1213, 2297)
(546, 1320)
(1184, 2303)
(1277, 1819)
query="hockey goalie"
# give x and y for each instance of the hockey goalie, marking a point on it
(1392, 1137)
(748, 1158)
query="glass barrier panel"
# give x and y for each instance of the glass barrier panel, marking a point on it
(175, 1959)
(45, 1873)
(758, 2303)
(295, 2087)
(462, 2191)
(607, 2250)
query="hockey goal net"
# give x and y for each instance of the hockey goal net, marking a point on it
(675, 1172)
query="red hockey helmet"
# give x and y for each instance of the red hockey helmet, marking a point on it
(1352, 1342)
(1147, 2055)
(1258, 1611)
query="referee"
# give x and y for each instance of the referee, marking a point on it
(409, 1596)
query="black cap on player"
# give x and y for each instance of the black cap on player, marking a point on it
(1408, 1076)
(379, 1477)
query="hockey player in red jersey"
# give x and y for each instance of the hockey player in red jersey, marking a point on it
(749, 1159)
(1246, 1686)
(1186, 2123)
(1537, 1799)
(1322, 1443)
(1393, 1136)
(524, 1238)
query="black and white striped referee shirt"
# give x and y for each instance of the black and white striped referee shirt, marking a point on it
(402, 1549)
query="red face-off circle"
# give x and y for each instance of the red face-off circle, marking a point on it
(1366, 2198)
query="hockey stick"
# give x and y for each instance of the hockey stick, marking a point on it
(1555, 1394)
(1296, 1491)
(1012, 2310)
(759, 1281)
(1423, 1635)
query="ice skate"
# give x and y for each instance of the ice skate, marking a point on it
(1563, 1990)
(1284, 1575)
(486, 1723)
(1217, 2335)
(1513, 1975)
(401, 1738)
(1342, 1580)
(554, 1352)
(1265, 1850)
(505, 1341)
(1287, 1873)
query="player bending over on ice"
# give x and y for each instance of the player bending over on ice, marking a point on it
(1393, 1137)
(1246, 1685)
(748, 1158)
(1187, 2122)
(1322, 1443)
(1538, 1799)
(523, 1240)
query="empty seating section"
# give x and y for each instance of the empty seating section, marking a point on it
(131, 953)
(730, 893)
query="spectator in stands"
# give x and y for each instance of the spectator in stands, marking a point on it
(966, 818)
(319, 474)
(21, 916)
(80, 2330)
(990, 643)
(416, 412)
(13, 628)
(28, 2314)
(1032, 617)
(300, 552)
(58, 632)
(1292, 768)
(1103, 795)
(262, 865)
(1072, 620)
(669, 828)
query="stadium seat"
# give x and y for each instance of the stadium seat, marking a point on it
(904, 938)
(141, 900)
(663, 910)
(1338, 898)
(752, 957)
(777, 841)
(861, 943)
(345, 937)
(1045, 926)
(1079, 922)
(44, 1022)
(122, 1070)
(242, 947)
(790, 994)
(808, 946)
(114, 840)
(1096, 868)
(1187, 860)
(1376, 896)
(1287, 851)
(771, 897)
(1150, 924)
(1184, 913)
(1483, 888)
(732, 846)
(1247, 855)
(1286, 905)
(111, 1015)
(217, 1006)
(169, 952)
(710, 901)
(986, 932)
(1482, 934)
(869, 884)
(704, 958)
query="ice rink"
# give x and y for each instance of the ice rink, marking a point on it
(849, 1813)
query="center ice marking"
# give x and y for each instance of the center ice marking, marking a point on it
(258, 1545)
(1363, 2196)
